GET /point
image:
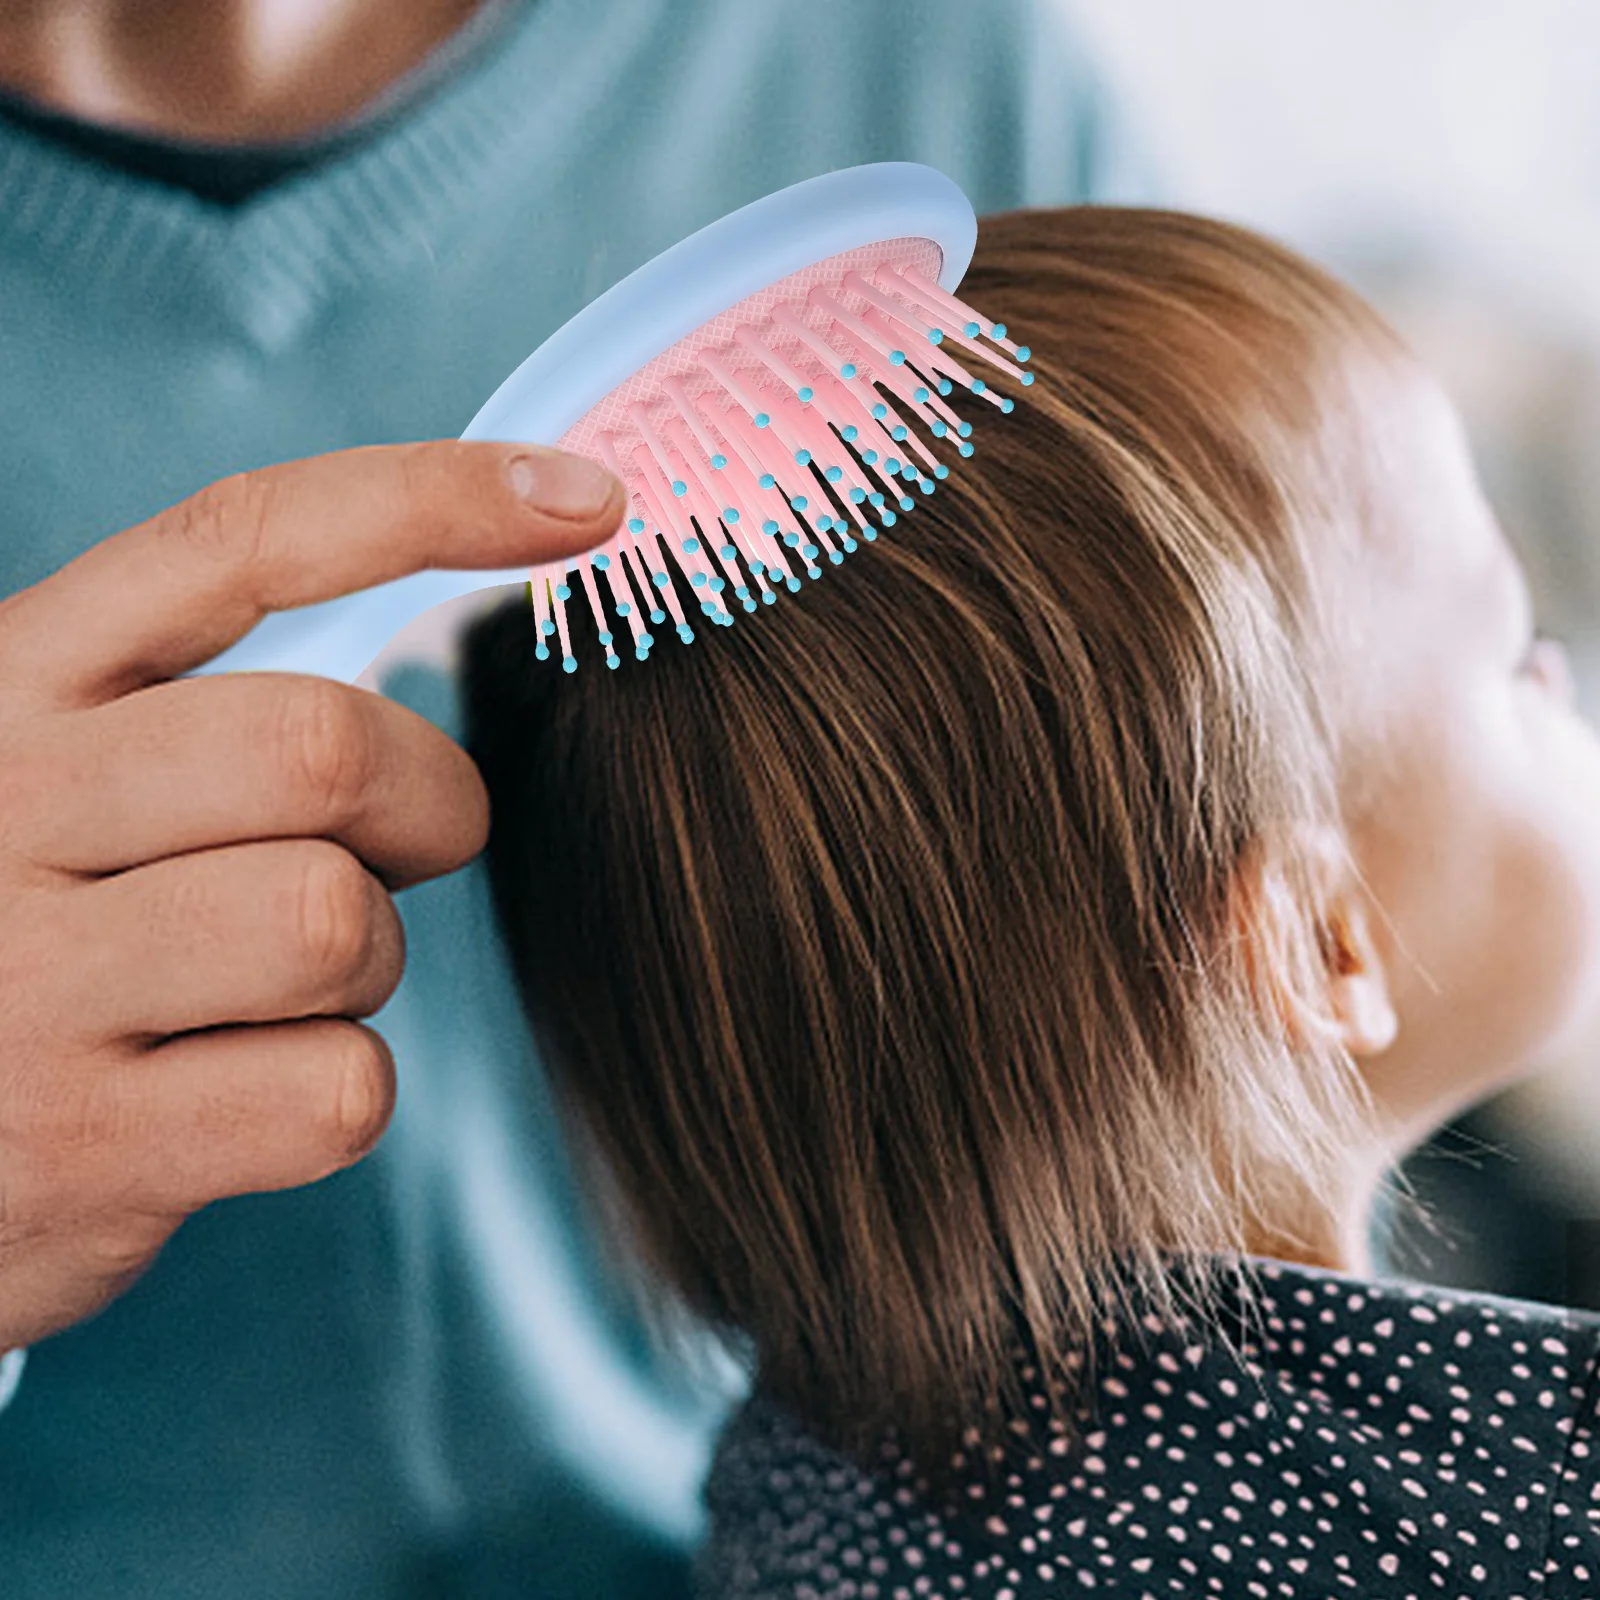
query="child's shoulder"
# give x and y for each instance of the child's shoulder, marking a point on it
(1349, 1430)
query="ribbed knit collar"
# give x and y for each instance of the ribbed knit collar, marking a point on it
(259, 269)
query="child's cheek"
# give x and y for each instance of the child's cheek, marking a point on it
(1559, 899)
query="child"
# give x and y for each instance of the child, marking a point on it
(999, 976)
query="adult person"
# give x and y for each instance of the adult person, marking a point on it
(235, 235)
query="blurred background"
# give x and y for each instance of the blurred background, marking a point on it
(1443, 156)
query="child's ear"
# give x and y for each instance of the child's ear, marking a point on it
(1339, 988)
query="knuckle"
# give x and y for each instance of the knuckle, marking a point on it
(363, 1091)
(416, 466)
(229, 519)
(327, 744)
(122, 1247)
(335, 914)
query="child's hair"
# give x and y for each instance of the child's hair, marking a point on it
(887, 944)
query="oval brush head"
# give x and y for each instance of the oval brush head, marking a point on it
(762, 389)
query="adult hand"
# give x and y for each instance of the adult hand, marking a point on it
(196, 875)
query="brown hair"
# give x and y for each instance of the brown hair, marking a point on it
(885, 943)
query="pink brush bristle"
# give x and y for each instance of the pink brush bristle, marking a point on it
(765, 443)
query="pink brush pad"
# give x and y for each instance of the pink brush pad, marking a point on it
(682, 360)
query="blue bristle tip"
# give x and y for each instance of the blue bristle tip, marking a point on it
(1008, 406)
(945, 386)
(730, 514)
(1027, 378)
(799, 502)
(658, 615)
(612, 659)
(848, 370)
(939, 430)
(920, 396)
(728, 552)
(966, 449)
(543, 652)
(935, 336)
(849, 544)
(869, 534)
(767, 597)
(646, 640)
(972, 330)
(602, 560)
(869, 456)
(719, 461)
(876, 499)
(569, 663)
(907, 503)
(999, 330)
(834, 474)
(897, 358)
(757, 568)
(661, 580)
(698, 580)
(679, 487)
(978, 386)
(791, 539)
(605, 638)
(794, 586)
(899, 433)
(857, 496)
(749, 605)
(769, 526)
(965, 430)
(547, 626)
(880, 411)
(641, 654)
(803, 457)
(892, 465)
(563, 592)
(635, 525)
(623, 608)
(805, 395)
(768, 481)
(1023, 352)
(762, 419)
(717, 585)
(691, 547)
(941, 471)
(851, 434)
(889, 519)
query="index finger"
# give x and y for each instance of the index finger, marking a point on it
(156, 600)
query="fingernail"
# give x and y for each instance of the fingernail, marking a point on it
(563, 485)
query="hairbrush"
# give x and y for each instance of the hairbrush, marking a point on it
(762, 390)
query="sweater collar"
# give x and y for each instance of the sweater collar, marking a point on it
(261, 268)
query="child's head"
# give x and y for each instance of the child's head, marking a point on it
(1130, 855)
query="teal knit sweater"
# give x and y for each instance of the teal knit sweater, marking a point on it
(413, 1379)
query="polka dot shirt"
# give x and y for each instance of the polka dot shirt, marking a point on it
(1372, 1438)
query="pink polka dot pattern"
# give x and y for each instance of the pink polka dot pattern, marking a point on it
(1372, 1438)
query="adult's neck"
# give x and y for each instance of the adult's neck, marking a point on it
(220, 71)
